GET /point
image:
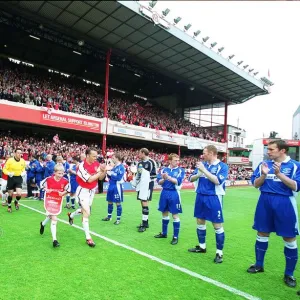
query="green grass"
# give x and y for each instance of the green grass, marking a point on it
(31, 269)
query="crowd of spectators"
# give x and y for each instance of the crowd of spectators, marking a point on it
(35, 145)
(36, 86)
(41, 146)
(239, 172)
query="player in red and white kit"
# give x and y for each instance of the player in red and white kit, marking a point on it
(56, 187)
(4, 183)
(88, 173)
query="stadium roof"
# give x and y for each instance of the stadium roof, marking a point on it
(128, 28)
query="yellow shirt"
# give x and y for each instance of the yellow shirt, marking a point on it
(14, 166)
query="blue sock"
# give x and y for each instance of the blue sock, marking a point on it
(291, 257)
(220, 238)
(261, 247)
(110, 208)
(42, 194)
(68, 199)
(176, 227)
(201, 233)
(165, 223)
(119, 212)
(73, 202)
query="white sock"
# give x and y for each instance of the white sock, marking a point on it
(76, 213)
(46, 221)
(220, 252)
(203, 246)
(86, 228)
(53, 230)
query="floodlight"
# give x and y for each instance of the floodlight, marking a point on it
(152, 4)
(267, 81)
(165, 12)
(255, 73)
(196, 33)
(240, 62)
(187, 27)
(177, 20)
(246, 66)
(80, 43)
(205, 39)
(250, 70)
(213, 44)
(231, 56)
(220, 49)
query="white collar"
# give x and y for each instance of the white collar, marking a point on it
(214, 163)
(173, 168)
(287, 159)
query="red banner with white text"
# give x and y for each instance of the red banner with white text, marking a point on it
(53, 203)
(289, 142)
(44, 116)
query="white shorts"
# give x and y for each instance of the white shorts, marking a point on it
(85, 196)
(3, 184)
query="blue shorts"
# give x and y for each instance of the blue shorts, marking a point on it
(209, 208)
(38, 183)
(115, 194)
(276, 213)
(74, 186)
(170, 201)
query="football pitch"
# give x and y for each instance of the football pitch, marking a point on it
(126, 264)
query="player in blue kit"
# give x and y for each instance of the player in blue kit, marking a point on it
(72, 173)
(39, 175)
(277, 179)
(170, 179)
(48, 165)
(115, 190)
(210, 177)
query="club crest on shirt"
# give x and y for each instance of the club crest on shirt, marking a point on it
(213, 170)
(286, 171)
(146, 166)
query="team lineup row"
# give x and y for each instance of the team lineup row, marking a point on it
(278, 180)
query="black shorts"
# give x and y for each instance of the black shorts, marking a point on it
(151, 186)
(14, 182)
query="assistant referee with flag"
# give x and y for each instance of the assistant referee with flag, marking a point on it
(15, 169)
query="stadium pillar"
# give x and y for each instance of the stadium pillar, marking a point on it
(225, 123)
(225, 130)
(179, 151)
(108, 54)
(211, 117)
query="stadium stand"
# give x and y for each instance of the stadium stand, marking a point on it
(37, 86)
(42, 145)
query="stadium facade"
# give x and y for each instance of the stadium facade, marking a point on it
(123, 46)
(296, 124)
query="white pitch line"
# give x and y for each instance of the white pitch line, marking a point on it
(161, 261)
(30, 200)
